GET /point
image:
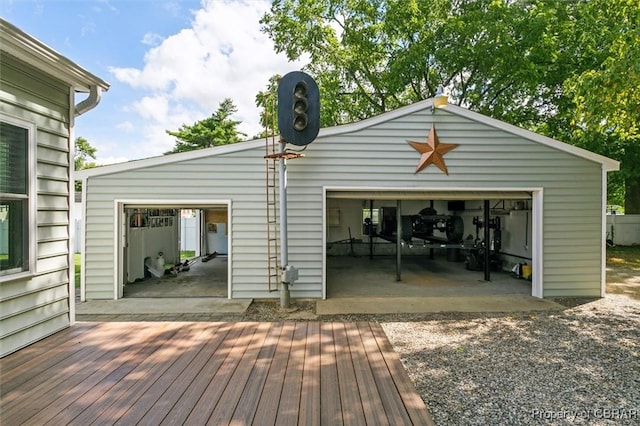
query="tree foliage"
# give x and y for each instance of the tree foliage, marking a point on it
(607, 94)
(562, 68)
(267, 101)
(373, 56)
(82, 153)
(218, 129)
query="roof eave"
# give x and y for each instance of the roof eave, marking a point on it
(608, 164)
(172, 158)
(28, 49)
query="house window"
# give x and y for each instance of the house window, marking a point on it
(370, 220)
(17, 238)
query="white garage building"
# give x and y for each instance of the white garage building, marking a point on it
(550, 198)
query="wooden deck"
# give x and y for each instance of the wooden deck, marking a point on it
(215, 373)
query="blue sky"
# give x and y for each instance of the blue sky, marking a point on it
(168, 62)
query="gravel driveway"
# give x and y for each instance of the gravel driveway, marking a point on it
(581, 366)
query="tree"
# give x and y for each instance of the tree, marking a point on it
(530, 63)
(83, 151)
(607, 95)
(267, 100)
(369, 57)
(219, 129)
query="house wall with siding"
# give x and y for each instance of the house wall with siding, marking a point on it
(371, 157)
(379, 157)
(33, 308)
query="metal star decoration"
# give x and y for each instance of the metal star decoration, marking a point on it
(432, 151)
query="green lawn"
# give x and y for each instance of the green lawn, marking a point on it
(187, 254)
(76, 261)
(624, 256)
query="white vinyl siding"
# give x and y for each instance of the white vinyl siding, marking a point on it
(237, 178)
(379, 157)
(38, 305)
(374, 157)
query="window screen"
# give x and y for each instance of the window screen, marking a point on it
(14, 199)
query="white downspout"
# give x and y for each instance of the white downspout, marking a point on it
(71, 225)
(95, 94)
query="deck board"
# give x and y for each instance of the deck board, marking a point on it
(192, 395)
(46, 356)
(250, 398)
(267, 410)
(290, 397)
(75, 374)
(330, 391)
(347, 383)
(164, 405)
(369, 395)
(310, 393)
(215, 373)
(126, 393)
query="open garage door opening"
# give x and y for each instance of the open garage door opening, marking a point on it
(174, 251)
(412, 244)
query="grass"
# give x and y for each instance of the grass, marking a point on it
(627, 257)
(76, 261)
(187, 254)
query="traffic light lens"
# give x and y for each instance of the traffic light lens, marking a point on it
(300, 122)
(300, 107)
(300, 91)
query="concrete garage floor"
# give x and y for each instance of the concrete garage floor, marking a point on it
(203, 279)
(199, 294)
(355, 285)
(358, 285)
(348, 277)
(420, 277)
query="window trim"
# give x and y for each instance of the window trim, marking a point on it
(32, 177)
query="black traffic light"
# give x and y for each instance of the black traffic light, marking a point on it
(298, 108)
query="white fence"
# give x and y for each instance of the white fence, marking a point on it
(624, 230)
(77, 244)
(188, 235)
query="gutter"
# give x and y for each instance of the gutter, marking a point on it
(95, 94)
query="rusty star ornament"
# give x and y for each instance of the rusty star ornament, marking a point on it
(432, 151)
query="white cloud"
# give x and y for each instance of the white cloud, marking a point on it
(185, 77)
(126, 75)
(126, 126)
(172, 7)
(153, 108)
(152, 39)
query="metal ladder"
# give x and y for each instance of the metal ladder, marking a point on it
(273, 235)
